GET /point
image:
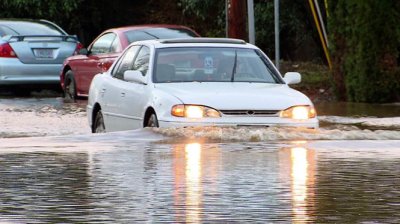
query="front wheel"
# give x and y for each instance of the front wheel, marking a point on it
(152, 121)
(98, 125)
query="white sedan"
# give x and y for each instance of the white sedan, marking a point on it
(195, 82)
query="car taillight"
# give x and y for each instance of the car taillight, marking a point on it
(6, 51)
(78, 47)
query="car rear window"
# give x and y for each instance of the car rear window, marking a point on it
(158, 33)
(28, 28)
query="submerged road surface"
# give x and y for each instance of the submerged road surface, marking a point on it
(53, 170)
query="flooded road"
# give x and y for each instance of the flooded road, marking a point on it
(53, 170)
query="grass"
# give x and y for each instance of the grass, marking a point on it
(316, 79)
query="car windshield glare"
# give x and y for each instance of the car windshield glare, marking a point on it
(212, 64)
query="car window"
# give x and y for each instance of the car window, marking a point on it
(29, 28)
(165, 33)
(137, 35)
(5, 30)
(142, 60)
(125, 62)
(103, 44)
(213, 64)
(158, 33)
(115, 46)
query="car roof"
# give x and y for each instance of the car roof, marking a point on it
(197, 41)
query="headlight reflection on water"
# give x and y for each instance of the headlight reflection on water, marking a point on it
(193, 165)
(299, 173)
(302, 175)
(193, 182)
(300, 162)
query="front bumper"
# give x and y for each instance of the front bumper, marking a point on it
(240, 121)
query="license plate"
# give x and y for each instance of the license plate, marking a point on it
(43, 53)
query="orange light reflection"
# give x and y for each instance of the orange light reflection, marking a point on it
(302, 176)
(193, 185)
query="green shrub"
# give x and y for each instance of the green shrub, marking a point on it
(365, 48)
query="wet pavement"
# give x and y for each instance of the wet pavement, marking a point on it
(53, 170)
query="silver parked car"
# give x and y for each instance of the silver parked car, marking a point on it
(33, 51)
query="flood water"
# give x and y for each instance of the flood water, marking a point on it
(53, 170)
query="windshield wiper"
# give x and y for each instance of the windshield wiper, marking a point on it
(234, 68)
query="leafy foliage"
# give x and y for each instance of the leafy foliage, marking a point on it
(211, 15)
(295, 28)
(59, 11)
(366, 41)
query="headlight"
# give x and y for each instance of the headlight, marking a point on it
(299, 112)
(193, 111)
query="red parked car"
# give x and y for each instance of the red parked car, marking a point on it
(78, 71)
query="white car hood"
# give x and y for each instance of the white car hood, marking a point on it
(228, 96)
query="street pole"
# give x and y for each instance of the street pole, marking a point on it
(250, 13)
(226, 18)
(276, 15)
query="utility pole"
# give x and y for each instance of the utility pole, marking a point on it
(237, 19)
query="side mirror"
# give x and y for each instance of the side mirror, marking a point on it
(83, 51)
(292, 78)
(135, 76)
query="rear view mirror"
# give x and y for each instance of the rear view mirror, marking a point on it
(135, 76)
(292, 78)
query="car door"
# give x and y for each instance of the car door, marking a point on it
(133, 97)
(111, 91)
(100, 56)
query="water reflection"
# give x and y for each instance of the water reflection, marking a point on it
(299, 161)
(193, 182)
(349, 109)
(302, 174)
(200, 182)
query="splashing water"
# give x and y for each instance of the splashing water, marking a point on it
(277, 134)
(53, 117)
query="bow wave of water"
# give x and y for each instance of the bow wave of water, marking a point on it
(54, 117)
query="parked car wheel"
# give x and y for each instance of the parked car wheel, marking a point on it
(98, 126)
(70, 86)
(152, 121)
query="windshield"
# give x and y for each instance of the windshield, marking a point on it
(212, 64)
(28, 28)
(158, 33)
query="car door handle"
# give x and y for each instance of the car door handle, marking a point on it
(122, 94)
(103, 91)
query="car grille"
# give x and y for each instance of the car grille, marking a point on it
(269, 113)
